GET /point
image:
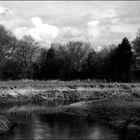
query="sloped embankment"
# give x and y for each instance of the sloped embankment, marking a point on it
(64, 93)
(5, 125)
(116, 103)
(121, 111)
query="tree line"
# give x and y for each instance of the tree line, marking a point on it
(25, 59)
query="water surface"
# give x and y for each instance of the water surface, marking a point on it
(42, 122)
(62, 126)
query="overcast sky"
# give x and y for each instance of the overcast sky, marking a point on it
(101, 22)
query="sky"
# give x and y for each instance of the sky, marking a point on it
(99, 22)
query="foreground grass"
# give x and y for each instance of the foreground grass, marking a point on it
(35, 91)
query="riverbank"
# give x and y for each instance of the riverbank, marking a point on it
(120, 111)
(36, 91)
(116, 103)
(6, 125)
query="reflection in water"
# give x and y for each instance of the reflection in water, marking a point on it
(42, 122)
(66, 126)
(62, 126)
(40, 131)
(101, 132)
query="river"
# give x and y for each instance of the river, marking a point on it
(45, 125)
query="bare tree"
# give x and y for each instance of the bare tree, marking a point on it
(74, 55)
(26, 54)
(7, 46)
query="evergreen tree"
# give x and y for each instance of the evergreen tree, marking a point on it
(121, 60)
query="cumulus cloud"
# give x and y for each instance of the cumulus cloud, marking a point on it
(21, 31)
(5, 11)
(70, 32)
(99, 48)
(93, 28)
(43, 31)
(101, 22)
(109, 23)
(9, 19)
(40, 31)
(2, 10)
(98, 28)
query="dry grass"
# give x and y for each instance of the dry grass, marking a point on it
(30, 91)
(5, 125)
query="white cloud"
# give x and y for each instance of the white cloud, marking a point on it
(20, 32)
(9, 19)
(101, 22)
(70, 32)
(99, 48)
(109, 13)
(93, 28)
(93, 23)
(120, 28)
(114, 20)
(99, 14)
(37, 21)
(5, 11)
(41, 31)
(2, 10)
(106, 20)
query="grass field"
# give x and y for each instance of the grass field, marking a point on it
(35, 91)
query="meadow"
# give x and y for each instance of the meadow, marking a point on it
(36, 91)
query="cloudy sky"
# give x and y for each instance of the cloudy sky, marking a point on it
(101, 22)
